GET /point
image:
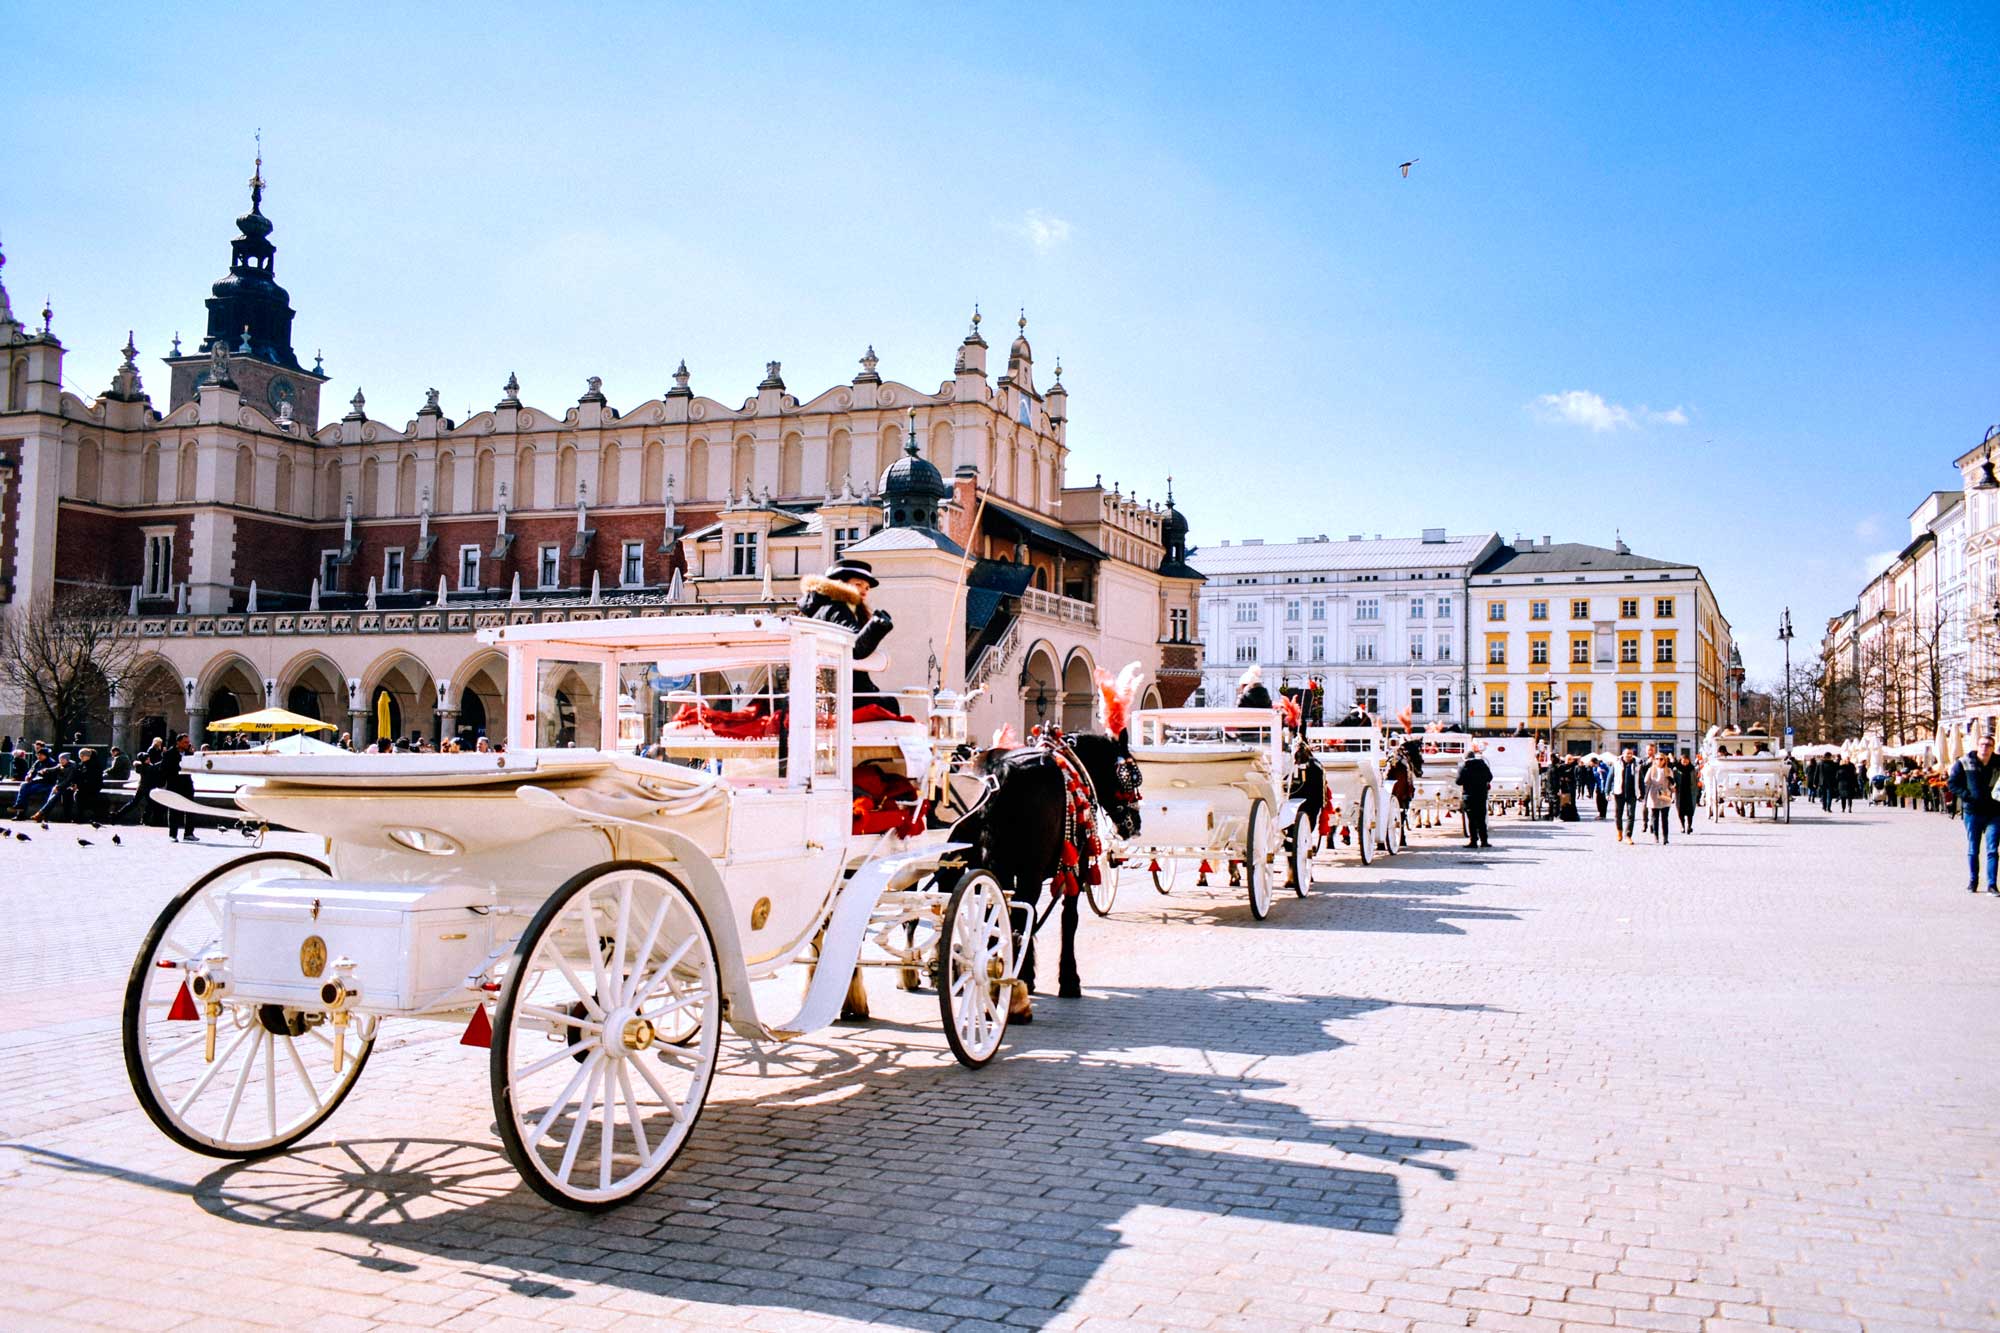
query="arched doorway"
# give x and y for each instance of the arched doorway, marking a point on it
(232, 688)
(412, 700)
(156, 703)
(384, 704)
(481, 687)
(1079, 701)
(1041, 689)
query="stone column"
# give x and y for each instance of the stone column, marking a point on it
(447, 725)
(121, 727)
(197, 726)
(356, 717)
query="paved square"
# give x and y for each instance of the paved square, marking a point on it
(1749, 1080)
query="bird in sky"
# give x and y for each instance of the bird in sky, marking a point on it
(1405, 168)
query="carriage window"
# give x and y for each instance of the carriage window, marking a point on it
(569, 704)
(731, 720)
(826, 723)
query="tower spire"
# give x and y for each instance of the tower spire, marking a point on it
(257, 176)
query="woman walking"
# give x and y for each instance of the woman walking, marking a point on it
(1849, 785)
(1659, 797)
(1684, 792)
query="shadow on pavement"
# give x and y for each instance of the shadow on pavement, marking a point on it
(887, 1190)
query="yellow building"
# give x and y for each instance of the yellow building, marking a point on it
(1596, 648)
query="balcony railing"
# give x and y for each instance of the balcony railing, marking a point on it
(1055, 607)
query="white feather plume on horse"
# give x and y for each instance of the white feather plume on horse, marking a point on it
(1116, 696)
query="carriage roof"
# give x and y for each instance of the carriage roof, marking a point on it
(708, 633)
(1190, 734)
(1335, 742)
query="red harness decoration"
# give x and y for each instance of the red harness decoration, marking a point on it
(1082, 852)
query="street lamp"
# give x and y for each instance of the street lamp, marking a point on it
(1785, 637)
(1987, 481)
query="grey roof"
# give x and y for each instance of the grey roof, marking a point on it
(1382, 553)
(1569, 558)
(906, 539)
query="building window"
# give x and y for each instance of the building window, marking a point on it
(1628, 608)
(1496, 650)
(1366, 698)
(1628, 701)
(1496, 701)
(329, 571)
(1663, 608)
(1417, 700)
(1292, 609)
(1416, 647)
(1318, 609)
(632, 568)
(1368, 608)
(1364, 650)
(1538, 610)
(1628, 649)
(1291, 647)
(392, 569)
(1444, 701)
(1416, 608)
(1538, 651)
(1496, 610)
(1246, 613)
(1177, 624)
(743, 555)
(1579, 703)
(1246, 650)
(844, 538)
(1579, 608)
(549, 573)
(1663, 649)
(468, 569)
(1538, 701)
(1443, 649)
(1663, 701)
(159, 563)
(1579, 649)
(1319, 647)
(1444, 608)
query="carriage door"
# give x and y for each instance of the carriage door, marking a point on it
(820, 727)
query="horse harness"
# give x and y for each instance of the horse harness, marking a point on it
(1082, 857)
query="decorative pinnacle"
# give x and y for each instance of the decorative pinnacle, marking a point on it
(681, 373)
(1022, 322)
(975, 316)
(257, 176)
(177, 343)
(910, 435)
(1058, 367)
(131, 349)
(318, 358)
(47, 315)
(868, 359)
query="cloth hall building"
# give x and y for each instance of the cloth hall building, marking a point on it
(261, 556)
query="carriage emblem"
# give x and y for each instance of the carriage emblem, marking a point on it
(312, 956)
(760, 913)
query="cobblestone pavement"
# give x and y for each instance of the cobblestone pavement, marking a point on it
(1748, 1080)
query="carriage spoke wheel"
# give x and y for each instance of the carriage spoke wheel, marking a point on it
(1260, 857)
(269, 1078)
(594, 1105)
(1302, 853)
(1110, 865)
(1163, 869)
(1364, 826)
(977, 953)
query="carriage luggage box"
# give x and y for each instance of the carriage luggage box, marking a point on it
(1176, 823)
(412, 944)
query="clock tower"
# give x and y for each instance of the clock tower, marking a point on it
(251, 316)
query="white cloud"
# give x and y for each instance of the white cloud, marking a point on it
(1878, 562)
(1041, 229)
(1581, 407)
(1868, 529)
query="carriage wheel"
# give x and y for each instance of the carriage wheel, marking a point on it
(1392, 817)
(1259, 857)
(977, 954)
(1364, 827)
(272, 1079)
(1164, 869)
(1110, 865)
(632, 948)
(1302, 853)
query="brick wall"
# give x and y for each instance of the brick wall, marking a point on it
(280, 557)
(93, 546)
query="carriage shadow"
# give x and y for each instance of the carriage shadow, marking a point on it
(1393, 904)
(896, 1191)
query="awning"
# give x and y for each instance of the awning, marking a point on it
(1003, 519)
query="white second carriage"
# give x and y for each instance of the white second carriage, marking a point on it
(1747, 773)
(1437, 793)
(1517, 773)
(1360, 814)
(1214, 783)
(613, 911)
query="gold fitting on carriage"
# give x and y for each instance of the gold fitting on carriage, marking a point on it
(638, 1034)
(207, 987)
(338, 995)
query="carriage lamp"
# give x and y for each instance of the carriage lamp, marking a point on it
(338, 996)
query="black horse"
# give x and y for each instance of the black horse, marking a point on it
(1017, 831)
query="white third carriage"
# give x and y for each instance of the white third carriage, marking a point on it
(1517, 773)
(1360, 814)
(1746, 772)
(613, 911)
(1214, 783)
(1437, 793)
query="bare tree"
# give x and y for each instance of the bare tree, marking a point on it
(65, 655)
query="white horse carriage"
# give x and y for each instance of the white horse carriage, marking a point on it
(1214, 783)
(1517, 773)
(1746, 770)
(1359, 813)
(613, 911)
(1437, 794)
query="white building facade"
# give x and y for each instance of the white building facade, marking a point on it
(1379, 622)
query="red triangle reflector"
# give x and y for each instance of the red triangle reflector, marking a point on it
(1154, 867)
(479, 1032)
(183, 1010)
(1206, 869)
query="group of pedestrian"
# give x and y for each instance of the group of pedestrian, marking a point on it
(1666, 786)
(1829, 778)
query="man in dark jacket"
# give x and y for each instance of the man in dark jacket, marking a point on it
(1684, 791)
(1250, 691)
(1971, 781)
(180, 784)
(1625, 793)
(1475, 778)
(840, 596)
(148, 764)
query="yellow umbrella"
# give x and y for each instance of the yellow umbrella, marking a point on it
(270, 719)
(383, 726)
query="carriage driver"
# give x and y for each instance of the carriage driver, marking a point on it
(841, 597)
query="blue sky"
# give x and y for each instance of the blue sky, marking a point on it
(1724, 283)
